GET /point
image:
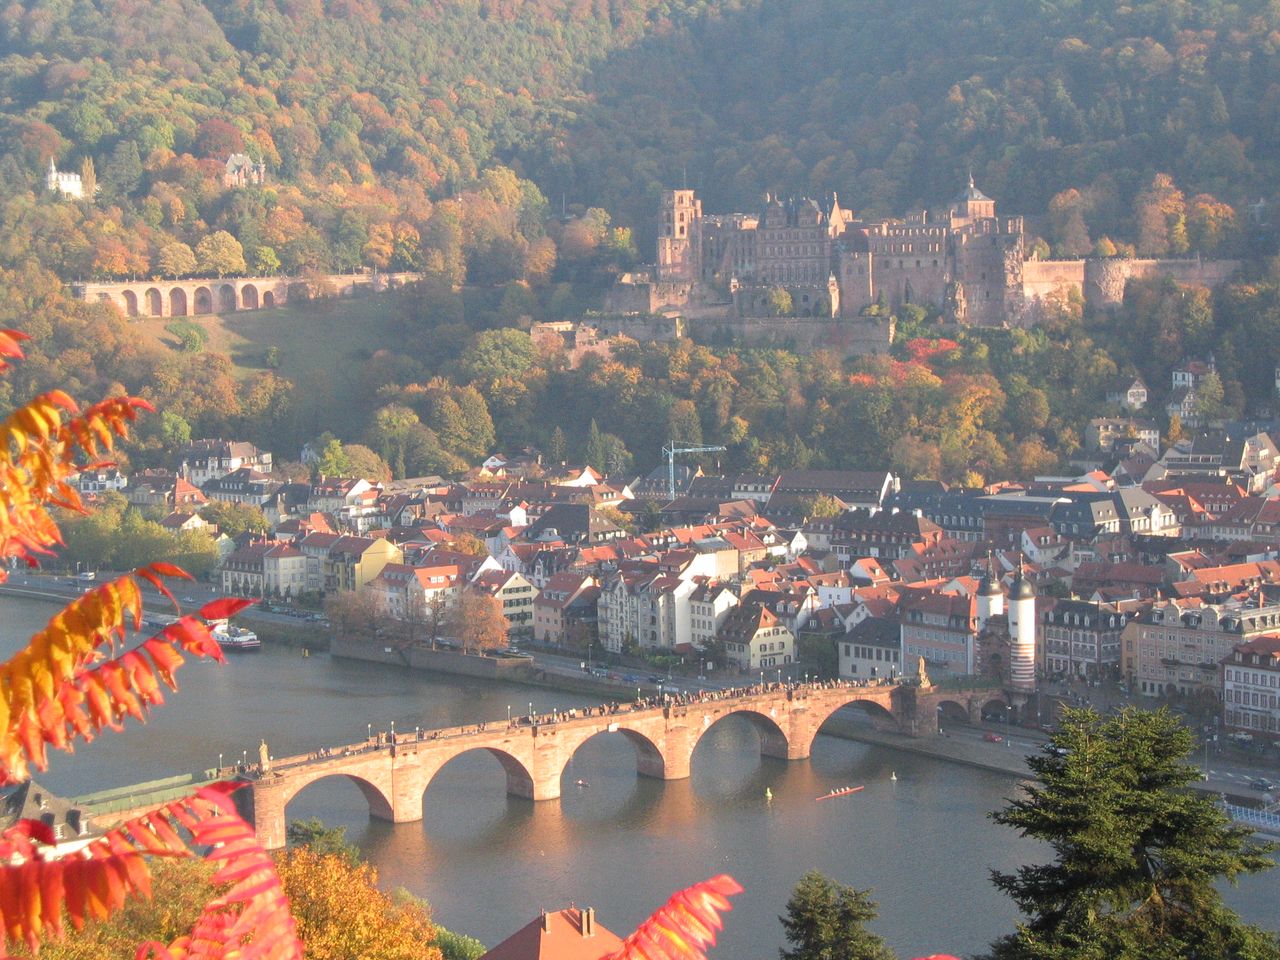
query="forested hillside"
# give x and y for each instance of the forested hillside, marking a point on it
(444, 137)
(605, 101)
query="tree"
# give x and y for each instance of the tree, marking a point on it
(220, 253)
(821, 506)
(235, 519)
(122, 174)
(478, 622)
(778, 302)
(264, 261)
(322, 840)
(88, 178)
(1209, 396)
(827, 921)
(594, 453)
(176, 260)
(1139, 854)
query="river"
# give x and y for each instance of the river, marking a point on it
(488, 862)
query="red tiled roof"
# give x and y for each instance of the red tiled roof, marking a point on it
(558, 935)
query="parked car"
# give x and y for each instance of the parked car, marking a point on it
(1262, 783)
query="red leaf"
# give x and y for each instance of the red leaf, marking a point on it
(32, 830)
(224, 608)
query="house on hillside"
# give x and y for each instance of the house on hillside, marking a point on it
(204, 460)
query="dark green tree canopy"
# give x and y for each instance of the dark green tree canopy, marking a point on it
(1137, 852)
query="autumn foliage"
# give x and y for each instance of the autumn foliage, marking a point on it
(76, 678)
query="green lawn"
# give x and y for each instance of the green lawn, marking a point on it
(319, 347)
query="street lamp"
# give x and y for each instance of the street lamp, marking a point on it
(1008, 712)
(369, 732)
(530, 711)
(393, 731)
(219, 763)
(508, 714)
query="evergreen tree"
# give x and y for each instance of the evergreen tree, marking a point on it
(122, 174)
(595, 453)
(556, 446)
(1138, 853)
(827, 921)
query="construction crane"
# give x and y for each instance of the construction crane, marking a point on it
(670, 451)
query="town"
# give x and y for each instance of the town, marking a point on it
(1158, 569)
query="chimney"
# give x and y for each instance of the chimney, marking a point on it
(546, 922)
(589, 922)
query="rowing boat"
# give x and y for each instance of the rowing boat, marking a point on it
(839, 792)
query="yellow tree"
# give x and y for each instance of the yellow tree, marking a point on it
(78, 677)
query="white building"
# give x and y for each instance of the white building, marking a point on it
(1251, 687)
(67, 184)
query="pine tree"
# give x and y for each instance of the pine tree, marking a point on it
(827, 921)
(556, 446)
(595, 453)
(1138, 853)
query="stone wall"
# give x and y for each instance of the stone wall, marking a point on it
(1044, 278)
(858, 336)
(1104, 280)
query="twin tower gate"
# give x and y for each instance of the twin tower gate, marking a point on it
(393, 776)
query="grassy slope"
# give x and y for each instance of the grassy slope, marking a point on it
(320, 348)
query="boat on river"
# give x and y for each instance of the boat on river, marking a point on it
(235, 638)
(839, 792)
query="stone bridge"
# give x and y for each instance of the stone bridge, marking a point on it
(393, 773)
(189, 298)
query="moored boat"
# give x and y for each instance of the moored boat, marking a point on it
(235, 638)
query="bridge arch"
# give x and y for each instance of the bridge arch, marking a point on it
(952, 711)
(519, 779)
(773, 739)
(377, 796)
(268, 300)
(881, 715)
(249, 296)
(650, 760)
(995, 707)
(227, 301)
(177, 302)
(130, 302)
(155, 302)
(203, 301)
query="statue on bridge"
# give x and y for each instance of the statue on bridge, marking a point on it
(264, 757)
(922, 677)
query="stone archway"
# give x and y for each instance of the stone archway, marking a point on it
(203, 301)
(951, 712)
(227, 299)
(177, 302)
(773, 739)
(155, 302)
(249, 297)
(880, 713)
(650, 761)
(268, 300)
(379, 802)
(130, 302)
(519, 779)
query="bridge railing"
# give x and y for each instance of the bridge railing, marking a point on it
(1253, 817)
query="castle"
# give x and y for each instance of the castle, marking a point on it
(834, 265)
(966, 259)
(67, 184)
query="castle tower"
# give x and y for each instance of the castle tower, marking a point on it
(990, 599)
(1022, 633)
(680, 237)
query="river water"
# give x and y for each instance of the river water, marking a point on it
(488, 862)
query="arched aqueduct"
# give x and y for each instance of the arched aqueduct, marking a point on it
(189, 298)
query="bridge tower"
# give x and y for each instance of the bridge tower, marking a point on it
(1022, 634)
